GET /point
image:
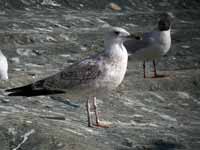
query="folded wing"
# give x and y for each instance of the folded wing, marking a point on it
(134, 45)
(75, 75)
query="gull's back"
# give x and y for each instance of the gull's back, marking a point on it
(134, 45)
(153, 45)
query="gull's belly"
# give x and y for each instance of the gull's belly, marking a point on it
(148, 54)
(154, 52)
(100, 86)
(113, 76)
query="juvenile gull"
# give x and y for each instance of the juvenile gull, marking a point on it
(3, 67)
(153, 44)
(89, 77)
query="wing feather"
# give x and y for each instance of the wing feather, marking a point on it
(76, 75)
(73, 76)
(134, 45)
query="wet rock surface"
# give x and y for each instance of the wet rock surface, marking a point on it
(42, 38)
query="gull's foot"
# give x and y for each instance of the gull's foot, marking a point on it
(102, 124)
(160, 76)
(99, 125)
(90, 126)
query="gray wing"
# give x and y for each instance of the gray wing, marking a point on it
(134, 45)
(75, 75)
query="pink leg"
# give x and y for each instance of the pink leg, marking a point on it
(144, 69)
(88, 113)
(154, 66)
(97, 115)
(155, 72)
(95, 111)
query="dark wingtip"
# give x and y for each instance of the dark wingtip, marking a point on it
(35, 93)
(17, 89)
(8, 90)
(14, 94)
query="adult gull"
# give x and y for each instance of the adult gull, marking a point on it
(152, 45)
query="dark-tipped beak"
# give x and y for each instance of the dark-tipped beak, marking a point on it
(135, 36)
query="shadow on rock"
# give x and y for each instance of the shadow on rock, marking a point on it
(166, 145)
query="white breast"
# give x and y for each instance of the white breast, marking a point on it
(164, 41)
(115, 70)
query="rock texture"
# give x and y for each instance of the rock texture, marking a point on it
(150, 114)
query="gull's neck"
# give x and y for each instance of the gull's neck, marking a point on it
(166, 31)
(115, 50)
(165, 40)
(1, 54)
(165, 35)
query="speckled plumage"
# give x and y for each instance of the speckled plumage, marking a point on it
(101, 72)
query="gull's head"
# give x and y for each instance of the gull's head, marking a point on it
(165, 21)
(116, 35)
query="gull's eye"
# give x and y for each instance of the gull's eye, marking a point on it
(117, 32)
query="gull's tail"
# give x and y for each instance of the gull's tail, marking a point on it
(29, 91)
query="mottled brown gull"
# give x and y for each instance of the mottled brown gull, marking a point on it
(89, 77)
